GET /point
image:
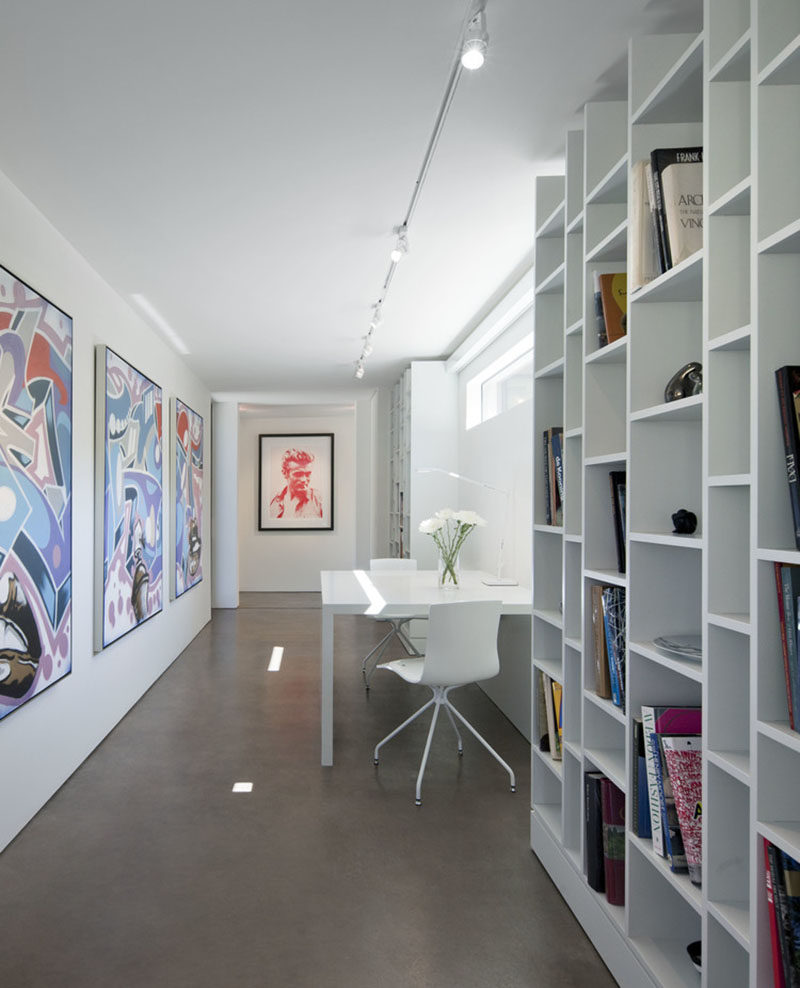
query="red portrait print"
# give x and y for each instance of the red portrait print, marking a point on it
(298, 498)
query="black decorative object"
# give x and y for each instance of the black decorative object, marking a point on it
(685, 522)
(685, 382)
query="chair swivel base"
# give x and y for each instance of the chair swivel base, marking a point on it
(440, 699)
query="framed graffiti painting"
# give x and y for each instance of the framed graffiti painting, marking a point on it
(35, 493)
(295, 482)
(188, 462)
(129, 498)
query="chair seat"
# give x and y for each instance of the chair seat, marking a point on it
(409, 669)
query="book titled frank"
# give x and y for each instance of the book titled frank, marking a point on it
(678, 182)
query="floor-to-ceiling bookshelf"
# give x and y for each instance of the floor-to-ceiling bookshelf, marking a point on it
(735, 90)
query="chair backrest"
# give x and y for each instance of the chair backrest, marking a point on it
(462, 642)
(392, 564)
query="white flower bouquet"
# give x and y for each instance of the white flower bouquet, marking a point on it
(449, 529)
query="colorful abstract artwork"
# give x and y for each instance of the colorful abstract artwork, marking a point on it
(295, 482)
(188, 461)
(132, 497)
(35, 493)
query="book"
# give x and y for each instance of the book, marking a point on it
(614, 620)
(644, 261)
(787, 666)
(555, 746)
(663, 720)
(602, 681)
(684, 760)
(790, 588)
(593, 817)
(618, 480)
(791, 917)
(787, 380)
(544, 736)
(599, 318)
(548, 510)
(614, 300)
(613, 841)
(558, 712)
(556, 445)
(641, 820)
(678, 185)
(651, 192)
(778, 976)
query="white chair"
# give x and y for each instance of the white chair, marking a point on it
(396, 621)
(461, 649)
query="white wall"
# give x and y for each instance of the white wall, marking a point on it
(292, 560)
(45, 740)
(499, 452)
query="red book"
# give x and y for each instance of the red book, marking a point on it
(614, 841)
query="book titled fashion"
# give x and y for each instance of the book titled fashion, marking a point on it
(657, 721)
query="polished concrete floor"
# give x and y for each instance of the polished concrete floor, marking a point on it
(146, 870)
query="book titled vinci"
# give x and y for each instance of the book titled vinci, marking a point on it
(678, 187)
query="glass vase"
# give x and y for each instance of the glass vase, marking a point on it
(449, 573)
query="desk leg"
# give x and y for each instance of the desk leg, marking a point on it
(326, 718)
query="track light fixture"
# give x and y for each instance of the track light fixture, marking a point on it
(470, 54)
(400, 248)
(476, 41)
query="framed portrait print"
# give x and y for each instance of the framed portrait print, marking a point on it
(129, 498)
(35, 494)
(187, 460)
(295, 482)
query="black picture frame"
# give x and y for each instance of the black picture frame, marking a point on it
(295, 482)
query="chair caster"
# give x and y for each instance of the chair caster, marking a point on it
(374, 761)
(418, 802)
(460, 752)
(513, 788)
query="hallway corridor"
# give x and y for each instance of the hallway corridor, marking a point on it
(146, 871)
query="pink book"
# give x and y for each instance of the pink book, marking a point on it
(685, 767)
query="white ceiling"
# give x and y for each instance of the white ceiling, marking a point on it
(242, 164)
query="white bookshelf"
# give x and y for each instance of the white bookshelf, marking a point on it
(400, 467)
(735, 89)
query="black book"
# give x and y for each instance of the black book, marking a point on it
(595, 868)
(678, 189)
(548, 511)
(787, 379)
(618, 486)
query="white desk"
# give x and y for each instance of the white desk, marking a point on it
(388, 593)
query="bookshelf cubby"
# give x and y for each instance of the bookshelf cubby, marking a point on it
(733, 88)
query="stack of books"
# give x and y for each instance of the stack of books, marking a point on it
(605, 837)
(666, 212)
(782, 874)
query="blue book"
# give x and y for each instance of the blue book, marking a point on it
(608, 606)
(791, 884)
(643, 807)
(790, 584)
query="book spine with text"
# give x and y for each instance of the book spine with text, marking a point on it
(775, 921)
(784, 378)
(787, 671)
(614, 841)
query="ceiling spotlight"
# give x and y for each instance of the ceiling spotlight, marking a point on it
(367, 345)
(400, 249)
(360, 369)
(476, 41)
